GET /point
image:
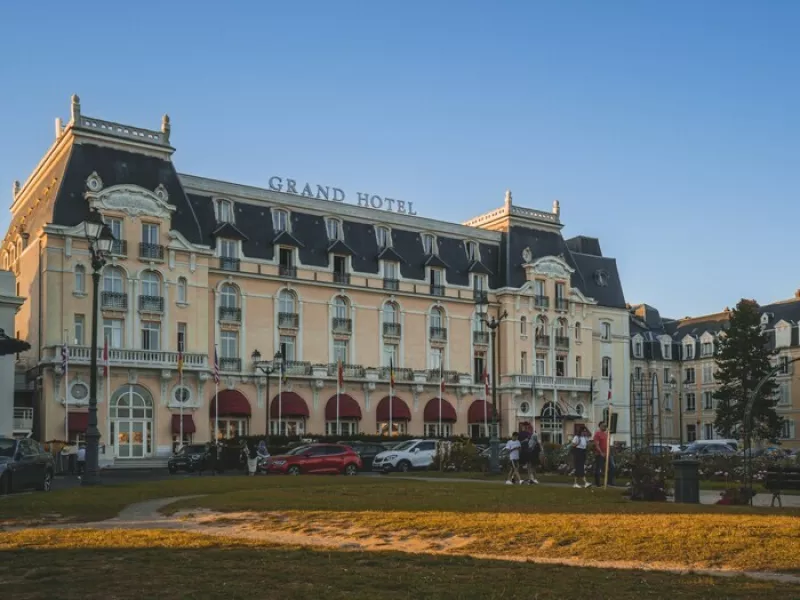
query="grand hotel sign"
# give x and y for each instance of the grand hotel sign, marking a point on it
(334, 194)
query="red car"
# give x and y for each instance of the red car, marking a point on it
(316, 458)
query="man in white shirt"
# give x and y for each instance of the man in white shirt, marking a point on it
(513, 446)
(81, 459)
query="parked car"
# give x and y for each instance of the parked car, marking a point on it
(696, 449)
(316, 459)
(24, 464)
(413, 454)
(366, 450)
(188, 458)
(663, 449)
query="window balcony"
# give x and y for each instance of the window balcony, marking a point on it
(341, 278)
(151, 251)
(23, 419)
(118, 357)
(562, 304)
(542, 341)
(562, 342)
(228, 263)
(435, 376)
(399, 374)
(392, 330)
(480, 296)
(573, 384)
(288, 320)
(151, 304)
(299, 368)
(119, 248)
(230, 313)
(114, 300)
(230, 364)
(391, 284)
(287, 271)
(541, 301)
(350, 371)
(480, 338)
(437, 290)
(438, 334)
(341, 325)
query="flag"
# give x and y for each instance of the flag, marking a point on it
(105, 357)
(485, 383)
(591, 389)
(284, 377)
(180, 361)
(64, 357)
(391, 372)
(340, 374)
(216, 367)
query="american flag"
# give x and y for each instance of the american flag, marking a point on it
(64, 356)
(216, 367)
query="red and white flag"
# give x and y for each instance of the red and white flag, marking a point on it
(105, 357)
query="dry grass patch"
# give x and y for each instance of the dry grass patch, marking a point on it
(162, 564)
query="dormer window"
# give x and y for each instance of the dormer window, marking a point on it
(224, 211)
(666, 350)
(688, 351)
(384, 237)
(334, 229)
(473, 254)
(707, 348)
(637, 348)
(429, 244)
(280, 220)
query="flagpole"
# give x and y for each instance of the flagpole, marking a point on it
(280, 399)
(441, 392)
(485, 401)
(108, 387)
(180, 386)
(216, 396)
(391, 394)
(65, 360)
(338, 390)
(608, 437)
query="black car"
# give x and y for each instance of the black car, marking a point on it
(190, 458)
(367, 451)
(24, 464)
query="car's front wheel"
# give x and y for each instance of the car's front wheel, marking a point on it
(293, 470)
(404, 466)
(351, 469)
(47, 482)
(172, 470)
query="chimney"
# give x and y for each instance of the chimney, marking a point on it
(508, 201)
(59, 127)
(557, 209)
(166, 128)
(76, 109)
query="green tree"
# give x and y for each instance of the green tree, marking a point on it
(744, 359)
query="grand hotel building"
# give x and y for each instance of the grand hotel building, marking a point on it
(201, 262)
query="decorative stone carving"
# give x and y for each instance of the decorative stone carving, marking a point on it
(317, 384)
(192, 262)
(369, 386)
(420, 377)
(553, 267)
(203, 376)
(132, 200)
(527, 255)
(319, 371)
(133, 376)
(166, 374)
(94, 183)
(161, 193)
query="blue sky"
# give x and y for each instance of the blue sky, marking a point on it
(667, 129)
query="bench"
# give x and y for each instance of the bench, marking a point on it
(779, 479)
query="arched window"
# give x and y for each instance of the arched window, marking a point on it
(437, 318)
(562, 328)
(541, 326)
(390, 313)
(286, 302)
(151, 284)
(523, 326)
(577, 331)
(340, 308)
(113, 280)
(606, 367)
(182, 290)
(550, 411)
(229, 296)
(80, 279)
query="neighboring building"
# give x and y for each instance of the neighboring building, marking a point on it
(13, 420)
(682, 354)
(201, 263)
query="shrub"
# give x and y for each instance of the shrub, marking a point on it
(648, 476)
(459, 456)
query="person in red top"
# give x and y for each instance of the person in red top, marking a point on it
(601, 446)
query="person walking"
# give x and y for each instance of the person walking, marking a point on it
(524, 437)
(81, 460)
(512, 447)
(535, 456)
(579, 445)
(601, 447)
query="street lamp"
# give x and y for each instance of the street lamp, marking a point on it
(100, 240)
(268, 368)
(482, 307)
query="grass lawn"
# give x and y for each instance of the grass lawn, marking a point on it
(159, 564)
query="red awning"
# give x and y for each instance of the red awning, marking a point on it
(399, 412)
(232, 403)
(188, 424)
(77, 422)
(431, 413)
(292, 405)
(480, 411)
(348, 408)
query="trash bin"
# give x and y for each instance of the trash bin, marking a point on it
(687, 481)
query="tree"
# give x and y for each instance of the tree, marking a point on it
(744, 359)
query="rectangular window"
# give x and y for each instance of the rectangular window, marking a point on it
(391, 270)
(286, 257)
(340, 351)
(383, 236)
(788, 429)
(340, 265)
(229, 344)
(436, 359)
(224, 211)
(80, 326)
(689, 375)
(783, 362)
(181, 337)
(436, 277)
(541, 364)
(691, 403)
(578, 367)
(280, 220)
(667, 375)
(561, 365)
(708, 374)
(391, 356)
(523, 363)
(228, 248)
(784, 397)
(151, 334)
(688, 351)
(334, 229)
(561, 290)
(708, 431)
(472, 251)
(112, 332)
(478, 365)
(707, 348)
(691, 433)
(637, 349)
(539, 287)
(428, 243)
(667, 350)
(667, 401)
(80, 279)
(115, 225)
(637, 373)
(288, 348)
(605, 331)
(708, 401)
(150, 233)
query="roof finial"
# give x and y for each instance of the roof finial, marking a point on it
(165, 127)
(508, 198)
(556, 208)
(76, 109)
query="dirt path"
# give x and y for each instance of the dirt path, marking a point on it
(256, 526)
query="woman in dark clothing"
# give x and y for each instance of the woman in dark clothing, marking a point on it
(579, 445)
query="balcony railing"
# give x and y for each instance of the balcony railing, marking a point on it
(575, 384)
(543, 341)
(399, 374)
(230, 313)
(297, 367)
(391, 284)
(287, 271)
(230, 364)
(438, 334)
(437, 290)
(434, 375)
(228, 263)
(480, 295)
(119, 248)
(356, 371)
(341, 278)
(341, 325)
(287, 320)
(122, 357)
(541, 301)
(562, 304)
(392, 330)
(562, 341)
(23, 419)
(114, 300)
(151, 303)
(151, 251)
(480, 337)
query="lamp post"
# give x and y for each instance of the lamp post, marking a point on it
(482, 306)
(267, 368)
(100, 239)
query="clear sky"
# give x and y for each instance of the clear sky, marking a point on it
(670, 130)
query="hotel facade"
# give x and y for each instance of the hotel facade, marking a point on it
(200, 264)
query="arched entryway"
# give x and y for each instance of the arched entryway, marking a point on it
(233, 419)
(131, 422)
(288, 413)
(439, 417)
(480, 417)
(342, 410)
(392, 416)
(551, 424)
